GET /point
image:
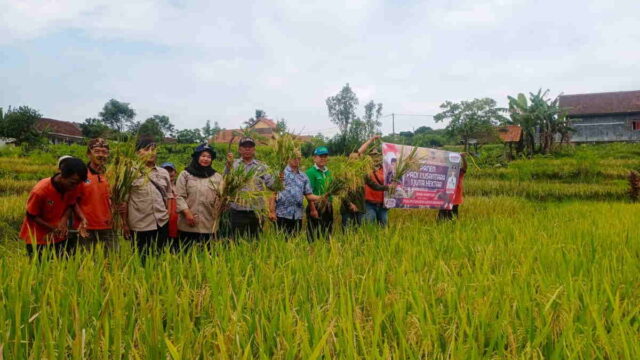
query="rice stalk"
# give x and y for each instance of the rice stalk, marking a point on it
(347, 176)
(405, 163)
(284, 148)
(240, 187)
(124, 168)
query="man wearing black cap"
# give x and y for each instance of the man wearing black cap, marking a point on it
(243, 218)
(146, 210)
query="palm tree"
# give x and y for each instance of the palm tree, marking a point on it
(539, 116)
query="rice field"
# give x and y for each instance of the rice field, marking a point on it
(537, 267)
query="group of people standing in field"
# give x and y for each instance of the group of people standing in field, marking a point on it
(165, 209)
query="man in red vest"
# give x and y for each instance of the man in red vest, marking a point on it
(374, 189)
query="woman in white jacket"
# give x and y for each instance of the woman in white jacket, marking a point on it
(197, 198)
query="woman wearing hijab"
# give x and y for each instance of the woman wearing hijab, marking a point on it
(197, 198)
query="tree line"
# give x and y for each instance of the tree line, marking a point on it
(116, 120)
(542, 121)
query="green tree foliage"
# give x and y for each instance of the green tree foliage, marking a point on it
(471, 119)
(117, 115)
(423, 130)
(308, 146)
(20, 124)
(423, 136)
(93, 128)
(281, 126)
(342, 109)
(371, 119)
(151, 128)
(353, 129)
(208, 132)
(189, 136)
(164, 123)
(539, 116)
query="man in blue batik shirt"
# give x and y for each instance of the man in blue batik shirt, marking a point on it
(287, 208)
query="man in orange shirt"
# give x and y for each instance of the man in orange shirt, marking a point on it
(94, 199)
(49, 208)
(374, 189)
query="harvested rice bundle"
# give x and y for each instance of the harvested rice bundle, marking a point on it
(284, 148)
(123, 170)
(347, 176)
(406, 163)
(240, 187)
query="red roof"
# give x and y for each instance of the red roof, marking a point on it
(270, 123)
(601, 103)
(224, 136)
(304, 138)
(510, 133)
(59, 127)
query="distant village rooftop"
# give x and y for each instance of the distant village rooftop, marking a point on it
(621, 102)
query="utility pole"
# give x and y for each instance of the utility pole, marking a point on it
(393, 123)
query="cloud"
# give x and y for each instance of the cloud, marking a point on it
(195, 60)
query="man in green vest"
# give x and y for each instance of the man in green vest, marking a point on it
(319, 215)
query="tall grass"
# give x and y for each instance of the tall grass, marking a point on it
(548, 190)
(526, 272)
(509, 280)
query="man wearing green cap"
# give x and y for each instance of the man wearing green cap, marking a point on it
(320, 218)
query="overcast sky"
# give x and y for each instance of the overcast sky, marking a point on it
(199, 60)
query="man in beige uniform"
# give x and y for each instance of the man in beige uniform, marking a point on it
(147, 213)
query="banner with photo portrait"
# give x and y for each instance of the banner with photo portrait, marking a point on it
(432, 185)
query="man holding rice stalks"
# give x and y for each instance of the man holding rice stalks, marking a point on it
(320, 213)
(49, 208)
(286, 210)
(94, 201)
(197, 198)
(243, 217)
(374, 190)
(146, 211)
(352, 207)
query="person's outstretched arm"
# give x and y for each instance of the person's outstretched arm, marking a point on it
(366, 144)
